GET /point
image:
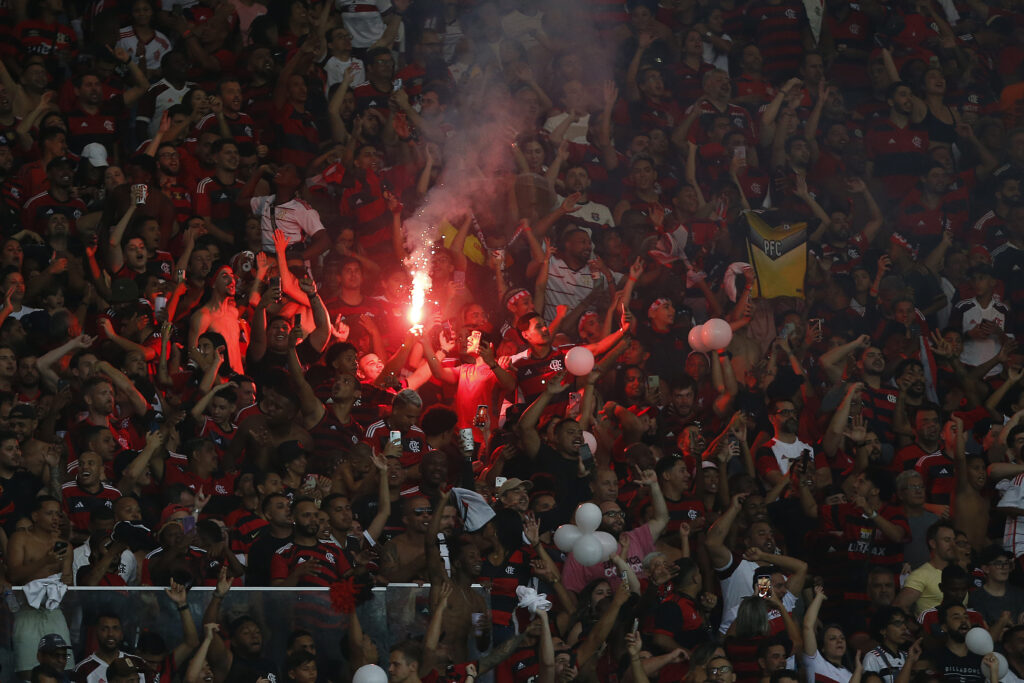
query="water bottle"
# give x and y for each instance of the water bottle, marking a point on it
(11, 600)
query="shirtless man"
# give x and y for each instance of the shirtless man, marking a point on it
(464, 602)
(278, 421)
(220, 315)
(35, 554)
(403, 558)
(971, 507)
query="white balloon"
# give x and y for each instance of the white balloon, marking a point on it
(716, 334)
(579, 361)
(370, 673)
(1004, 666)
(696, 340)
(608, 542)
(591, 442)
(588, 518)
(566, 537)
(588, 550)
(979, 641)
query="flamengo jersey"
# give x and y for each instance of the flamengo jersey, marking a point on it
(364, 19)
(778, 255)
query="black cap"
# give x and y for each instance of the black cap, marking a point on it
(52, 642)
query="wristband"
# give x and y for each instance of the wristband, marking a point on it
(183, 608)
(632, 279)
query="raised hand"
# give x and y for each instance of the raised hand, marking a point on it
(177, 593)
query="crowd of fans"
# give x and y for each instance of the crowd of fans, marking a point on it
(211, 215)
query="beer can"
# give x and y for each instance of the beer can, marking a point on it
(142, 192)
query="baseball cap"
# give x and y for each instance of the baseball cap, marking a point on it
(169, 511)
(514, 483)
(95, 154)
(51, 642)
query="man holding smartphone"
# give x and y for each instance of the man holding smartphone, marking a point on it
(37, 553)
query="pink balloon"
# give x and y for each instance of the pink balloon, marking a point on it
(579, 361)
(716, 334)
(696, 339)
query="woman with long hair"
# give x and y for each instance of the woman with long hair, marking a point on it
(831, 660)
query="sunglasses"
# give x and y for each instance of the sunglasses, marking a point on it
(423, 511)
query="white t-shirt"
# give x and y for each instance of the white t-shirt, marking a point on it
(885, 663)
(153, 51)
(335, 69)
(127, 569)
(567, 287)
(164, 97)
(576, 132)
(295, 218)
(712, 56)
(363, 19)
(972, 314)
(787, 453)
(1013, 497)
(591, 215)
(820, 670)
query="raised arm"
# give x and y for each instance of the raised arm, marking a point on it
(527, 425)
(810, 621)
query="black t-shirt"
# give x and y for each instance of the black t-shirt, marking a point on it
(272, 360)
(365, 509)
(258, 571)
(16, 496)
(250, 670)
(954, 669)
(570, 488)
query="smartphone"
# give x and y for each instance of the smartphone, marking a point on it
(816, 324)
(764, 586)
(188, 524)
(473, 343)
(636, 625)
(275, 282)
(786, 330)
(297, 320)
(575, 400)
(181, 274)
(395, 437)
(60, 546)
(498, 481)
(653, 383)
(159, 303)
(466, 440)
(586, 456)
(396, 85)
(739, 152)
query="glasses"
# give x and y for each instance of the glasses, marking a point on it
(614, 513)
(423, 511)
(715, 670)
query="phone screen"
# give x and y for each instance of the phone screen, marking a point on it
(764, 586)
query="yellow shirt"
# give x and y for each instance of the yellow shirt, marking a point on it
(926, 580)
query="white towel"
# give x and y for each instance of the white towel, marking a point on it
(532, 600)
(45, 593)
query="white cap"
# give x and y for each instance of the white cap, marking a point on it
(95, 154)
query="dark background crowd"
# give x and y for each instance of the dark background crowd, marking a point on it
(213, 214)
